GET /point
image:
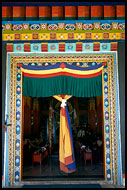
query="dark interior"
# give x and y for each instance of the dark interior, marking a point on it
(87, 137)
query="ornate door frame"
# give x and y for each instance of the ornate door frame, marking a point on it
(111, 108)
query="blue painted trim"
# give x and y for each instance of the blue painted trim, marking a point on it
(84, 68)
(62, 21)
(118, 122)
(29, 67)
(67, 41)
(37, 68)
(116, 90)
(61, 3)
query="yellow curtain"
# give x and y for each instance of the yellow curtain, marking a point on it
(66, 153)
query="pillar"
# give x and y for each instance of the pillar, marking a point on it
(76, 111)
(36, 115)
(91, 114)
(50, 127)
(27, 114)
(99, 113)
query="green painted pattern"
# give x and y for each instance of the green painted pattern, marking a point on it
(120, 18)
(45, 18)
(19, 18)
(109, 18)
(61, 31)
(70, 18)
(97, 18)
(83, 18)
(57, 18)
(32, 18)
(7, 18)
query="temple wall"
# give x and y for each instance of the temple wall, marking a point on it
(121, 69)
(3, 96)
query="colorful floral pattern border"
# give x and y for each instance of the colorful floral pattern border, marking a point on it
(110, 89)
(63, 36)
(65, 47)
(90, 30)
(62, 26)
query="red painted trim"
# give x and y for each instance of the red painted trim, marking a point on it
(61, 50)
(78, 47)
(114, 47)
(61, 47)
(61, 73)
(44, 47)
(96, 47)
(9, 48)
(26, 48)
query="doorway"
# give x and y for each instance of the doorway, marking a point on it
(111, 116)
(87, 134)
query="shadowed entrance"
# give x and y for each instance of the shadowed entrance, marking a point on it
(84, 131)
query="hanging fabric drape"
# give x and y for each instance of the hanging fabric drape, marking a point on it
(66, 151)
(62, 78)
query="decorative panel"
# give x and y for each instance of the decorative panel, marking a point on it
(61, 46)
(112, 155)
(69, 30)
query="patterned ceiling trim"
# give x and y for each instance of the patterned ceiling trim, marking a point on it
(96, 30)
(61, 47)
(63, 26)
(70, 12)
(63, 36)
(60, 3)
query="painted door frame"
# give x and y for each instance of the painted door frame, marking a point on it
(111, 110)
